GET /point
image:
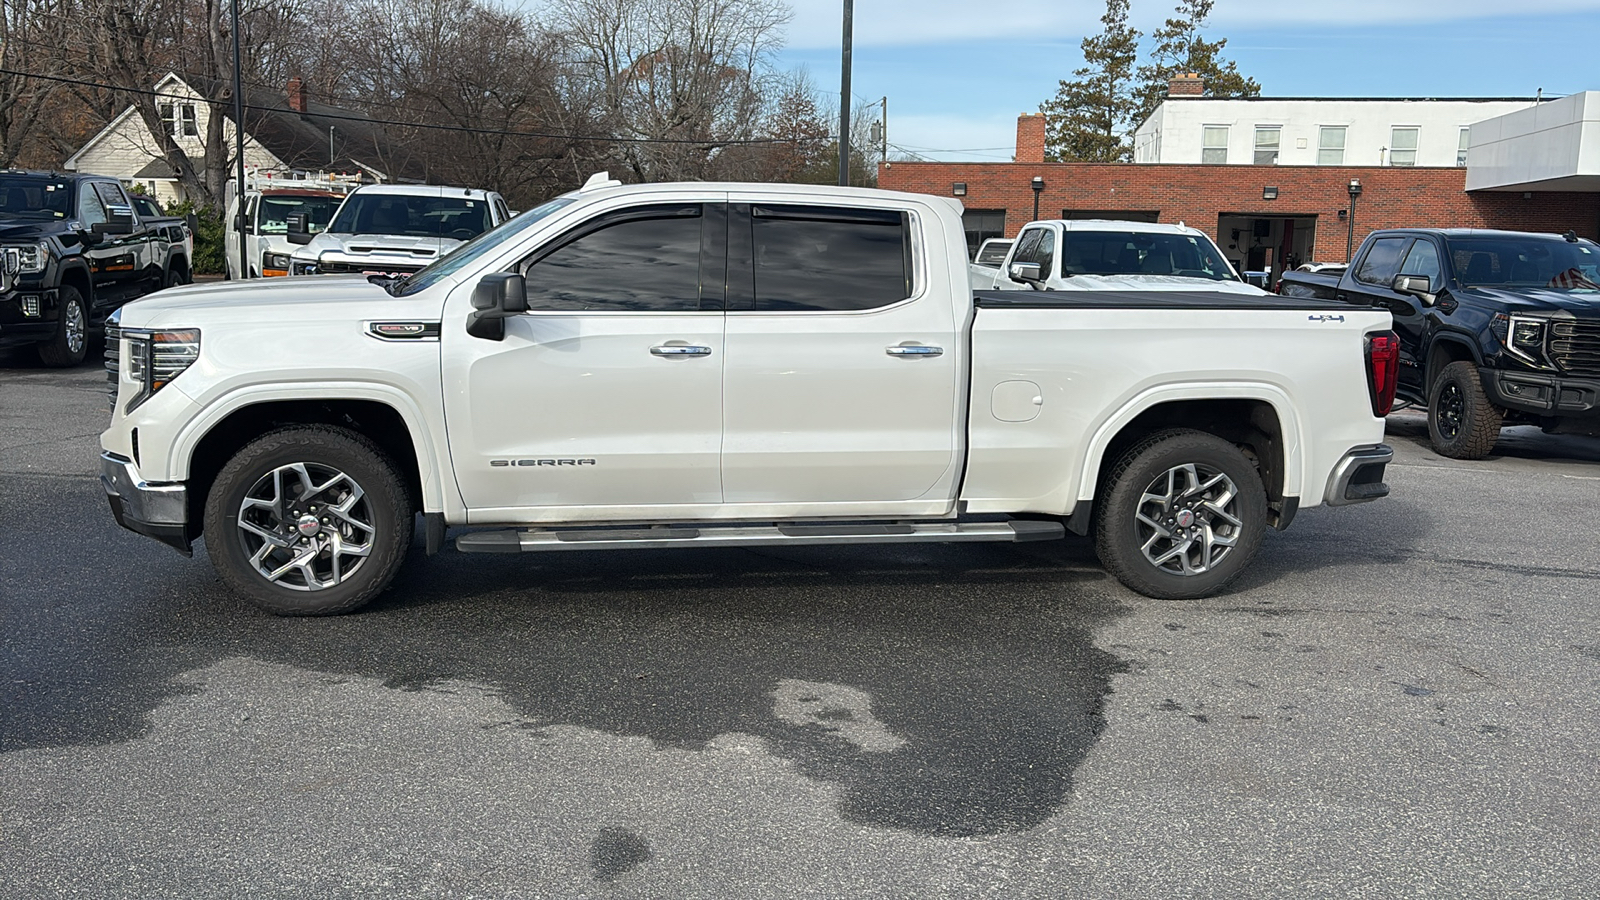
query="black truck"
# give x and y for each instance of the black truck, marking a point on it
(72, 250)
(1496, 327)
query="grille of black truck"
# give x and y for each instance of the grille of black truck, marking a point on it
(1575, 347)
(113, 358)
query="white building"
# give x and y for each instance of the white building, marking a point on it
(1343, 131)
(1554, 146)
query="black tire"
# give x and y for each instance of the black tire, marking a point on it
(1200, 567)
(1462, 423)
(70, 343)
(383, 505)
(174, 279)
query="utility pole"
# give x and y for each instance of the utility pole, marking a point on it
(844, 97)
(238, 137)
(885, 129)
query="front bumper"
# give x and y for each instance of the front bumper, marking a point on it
(1359, 476)
(160, 511)
(1542, 395)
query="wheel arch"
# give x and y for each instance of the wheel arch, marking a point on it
(1448, 347)
(75, 274)
(1259, 418)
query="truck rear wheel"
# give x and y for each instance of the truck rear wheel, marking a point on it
(1183, 513)
(70, 343)
(1462, 423)
(309, 520)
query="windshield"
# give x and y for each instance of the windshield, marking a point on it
(273, 213)
(468, 253)
(1142, 253)
(461, 218)
(1526, 262)
(35, 196)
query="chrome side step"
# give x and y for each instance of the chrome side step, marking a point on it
(534, 539)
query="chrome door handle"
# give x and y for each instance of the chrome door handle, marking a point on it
(673, 351)
(909, 349)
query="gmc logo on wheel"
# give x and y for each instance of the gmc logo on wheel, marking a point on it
(502, 463)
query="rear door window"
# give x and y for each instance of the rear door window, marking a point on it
(812, 258)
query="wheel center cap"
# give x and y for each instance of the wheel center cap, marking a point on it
(307, 525)
(1185, 518)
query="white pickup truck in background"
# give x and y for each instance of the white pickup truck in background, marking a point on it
(712, 365)
(1111, 255)
(394, 229)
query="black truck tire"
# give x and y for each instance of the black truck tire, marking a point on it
(1183, 513)
(308, 520)
(1462, 423)
(70, 343)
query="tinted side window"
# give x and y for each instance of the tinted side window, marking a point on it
(90, 210)
(820, 258)
(1027, 243)
(1423, 260)
(1045, 254)
(1382, 261)
(650, 264)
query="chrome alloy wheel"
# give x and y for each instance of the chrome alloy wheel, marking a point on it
(1186, 519)
(74, 327)
(306, 527)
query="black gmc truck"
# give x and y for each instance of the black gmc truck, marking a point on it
(1496, 327)
(72, 250)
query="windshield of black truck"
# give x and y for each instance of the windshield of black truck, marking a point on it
(275, 209)
(459, 218)
(34, 197)
(1142, 253)
(1525, 262)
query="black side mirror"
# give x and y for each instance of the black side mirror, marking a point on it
(496, 298)
(119, 220)
(298, 232)
(1418, 286)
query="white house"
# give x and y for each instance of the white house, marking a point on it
(1330, 131)
(286, 131)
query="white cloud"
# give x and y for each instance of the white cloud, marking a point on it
(817, 23)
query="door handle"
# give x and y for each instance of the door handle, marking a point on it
(913, 350)
(674, 351)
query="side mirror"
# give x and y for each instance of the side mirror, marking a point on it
(1418, 286)
(119, 220)
(496, 298)
(297, 231)
(1026, 273)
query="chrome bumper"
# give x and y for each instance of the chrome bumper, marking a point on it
(160, 511)
(1359, 476)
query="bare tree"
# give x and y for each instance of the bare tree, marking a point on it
(30, 33)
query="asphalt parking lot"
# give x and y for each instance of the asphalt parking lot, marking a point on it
(1399, 700)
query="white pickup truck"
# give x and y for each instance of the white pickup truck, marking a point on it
(1111, 255)
(693, 365)
(392, 229)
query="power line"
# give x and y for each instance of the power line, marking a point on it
(454, 128)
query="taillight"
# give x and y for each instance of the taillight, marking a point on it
(1383, 370)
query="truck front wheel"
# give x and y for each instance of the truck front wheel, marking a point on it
(309, 520)
(1182, 514)
(1462, 423)
(70, 343)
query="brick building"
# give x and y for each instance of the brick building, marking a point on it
(1264, 217)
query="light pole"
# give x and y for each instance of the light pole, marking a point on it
(1350, 237)
(1038, 188)
(844, 97)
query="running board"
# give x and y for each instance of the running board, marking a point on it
(533, 539)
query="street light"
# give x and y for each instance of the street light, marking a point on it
(1350, 237)
(1038, 188)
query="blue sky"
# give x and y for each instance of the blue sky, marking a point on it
(958, 72)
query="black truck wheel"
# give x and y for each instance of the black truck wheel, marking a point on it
(1462, 423)
(70, 343)
(309, 520)
(1182, 514)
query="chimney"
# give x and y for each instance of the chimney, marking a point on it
(1186, 84)
(1030, 138)
(297, 94)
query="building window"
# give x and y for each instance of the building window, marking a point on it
(1461, 146)
(1267, 137)
(1215, 146)
(179, 119)
(982, 224)
(1402, 146)
(1330, 145)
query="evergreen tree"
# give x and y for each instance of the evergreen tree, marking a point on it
(1092, 116)
(1179, 49)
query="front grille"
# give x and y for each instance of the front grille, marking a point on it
(113, 359)
(1575, 347)
(377, 268)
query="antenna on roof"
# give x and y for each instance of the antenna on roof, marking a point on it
(599, 180)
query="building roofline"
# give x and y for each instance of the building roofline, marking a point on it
(1538, 99)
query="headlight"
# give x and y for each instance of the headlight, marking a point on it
(275, 261)
(154, 358)
(304, 268)
(27, 259)
(1522, 336)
